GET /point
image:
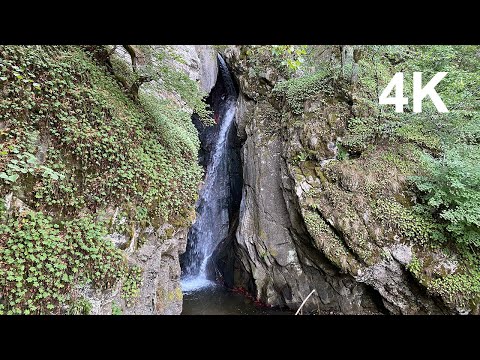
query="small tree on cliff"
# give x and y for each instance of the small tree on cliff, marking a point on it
(158, 64)
(142, 71)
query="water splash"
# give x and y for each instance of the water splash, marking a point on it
(211, 224)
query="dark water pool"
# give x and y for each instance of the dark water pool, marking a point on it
(217, 300)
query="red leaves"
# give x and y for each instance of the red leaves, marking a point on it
(245, 293)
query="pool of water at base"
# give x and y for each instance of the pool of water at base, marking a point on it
(218, 300)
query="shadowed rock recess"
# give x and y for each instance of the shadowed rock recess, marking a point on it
(217, 207)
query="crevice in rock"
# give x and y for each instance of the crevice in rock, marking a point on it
(340, 236)
(376, 299)
(228, 181)
(420, 289)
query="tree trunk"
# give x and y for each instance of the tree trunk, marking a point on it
(136, 85)
(136, 56)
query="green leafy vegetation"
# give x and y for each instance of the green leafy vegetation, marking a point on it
(447, 145)
(298, 90)
(449, 142)
(42, 260)
(460, 288)
(437, 153)
(178, 81)
(290, 56)
(74, 143)
(412, 222)
(157, 66)
(131, 285)
(286, 58)
(414, 266)
(116, 309)
(452, 187)
(99, 146)
(80, 307)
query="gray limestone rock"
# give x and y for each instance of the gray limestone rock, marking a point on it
(309, 226)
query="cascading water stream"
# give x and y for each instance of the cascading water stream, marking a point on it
(211, 225)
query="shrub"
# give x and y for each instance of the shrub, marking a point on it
(452, 187)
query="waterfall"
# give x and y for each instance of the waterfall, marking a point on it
(211, 224)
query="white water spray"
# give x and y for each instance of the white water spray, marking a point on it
(211, 224)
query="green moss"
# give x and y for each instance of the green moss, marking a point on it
(329, 243)
(342, 153)
(123, 69)
(460, 288)
(415, 266)
(316, 225)
(169, 232)
(403, 158)
(300, 157)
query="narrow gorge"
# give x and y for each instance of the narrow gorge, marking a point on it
(217, 194)
(234, 180)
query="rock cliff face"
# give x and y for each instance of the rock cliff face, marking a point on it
(97, 191)
(304, 212)
(158, 257)
(311, 221)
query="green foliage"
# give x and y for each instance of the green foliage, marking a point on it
(116, 309)
(300, 157)
(43, 259)
(412, 222)
(361, 132)
(428, 129)
(460, 288)
(131, 285)
(440, 149)
(404, 157)
(326, 239)
(72, 144)
(26, 163)
(123, 70)
(342, 153)
(450, 181)
(298, 90)
(316, 224)
(101, 146)
(179, 82)
(452, 187)
(414, 266)
(286, 58)
(159, 67)
(80, 307)
(291, 56)
(173, 168)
